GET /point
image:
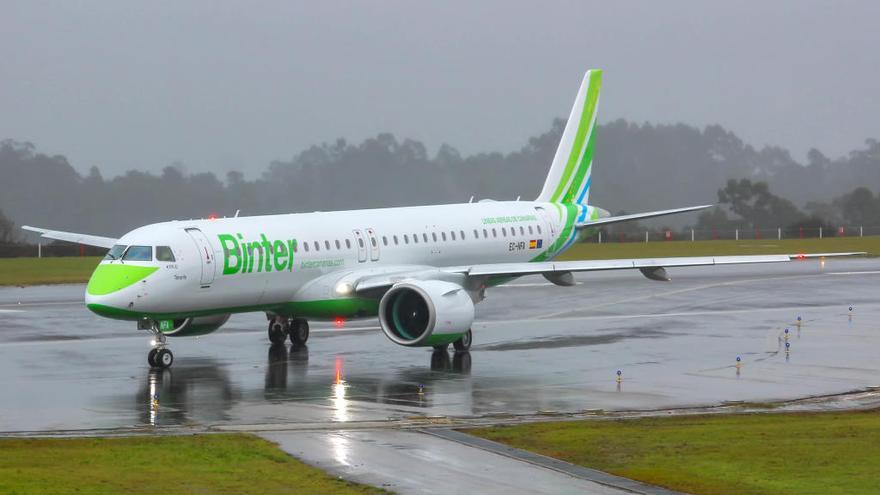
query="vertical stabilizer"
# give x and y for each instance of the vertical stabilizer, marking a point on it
(569, 178)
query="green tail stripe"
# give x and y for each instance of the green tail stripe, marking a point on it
(583, 126)
(584, 167)
(571, 212)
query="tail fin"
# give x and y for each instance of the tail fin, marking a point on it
(569, 178)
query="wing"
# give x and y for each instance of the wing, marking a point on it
(88, 240)
(558, 272)
(648, 266)
(638, 216)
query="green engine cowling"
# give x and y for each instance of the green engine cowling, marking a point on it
(422, 313)
(191, 327)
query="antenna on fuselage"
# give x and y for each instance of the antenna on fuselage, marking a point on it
(236, 213)
(471, 200)
(517, 198)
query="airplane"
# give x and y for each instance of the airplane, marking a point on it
(420, 270)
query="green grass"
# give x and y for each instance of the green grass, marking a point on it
(240, 464)
(792, 454)
(660, 249)
(35, 271)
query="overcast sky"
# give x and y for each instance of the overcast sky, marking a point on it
(234, 85)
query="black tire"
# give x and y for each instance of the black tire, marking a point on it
(164, 358)
(277, 334)
(461, 363)
(299, 332)
(440, 361)
(441, 348)
(464, 343)
(151, 358)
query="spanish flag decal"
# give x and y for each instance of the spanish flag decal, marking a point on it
(535, 244)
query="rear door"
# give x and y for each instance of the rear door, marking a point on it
(361, 246)
(206, 254)
(374, 245)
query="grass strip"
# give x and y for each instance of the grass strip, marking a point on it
(762, 454)
(222, 463)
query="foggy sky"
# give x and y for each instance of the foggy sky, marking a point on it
(222, 85)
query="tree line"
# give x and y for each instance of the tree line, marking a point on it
(638, 167)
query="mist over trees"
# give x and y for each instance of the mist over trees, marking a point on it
(637, 167)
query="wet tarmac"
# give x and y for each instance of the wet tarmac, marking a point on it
(537, 348)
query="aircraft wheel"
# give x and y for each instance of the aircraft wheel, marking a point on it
(277, 333)
(464, 343)
(163, 358)
(151, 358)
(299, 331)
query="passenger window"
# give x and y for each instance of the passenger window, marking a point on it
(476, 234)
(434, 235)
(163, 253)
(539, 229)
(425, 237)
(485, 234)
(522, 230)
(306, 245)
(327, 245)
(317, 246)
(443, 235)
(452, 234)
(338, 245)
(462, 234)
(384, 240)
(406, 239)
(530, 230)
(503, 231)
(395, 240)
(415, 238)
(138, 253)
(494, 232)
(373, 241)
(361, 242)
(348, 243)
(115, 252)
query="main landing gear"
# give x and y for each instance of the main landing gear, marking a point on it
(159, 357)
(463, 344)
(296, 328)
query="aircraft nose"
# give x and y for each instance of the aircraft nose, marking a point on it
(104, 292)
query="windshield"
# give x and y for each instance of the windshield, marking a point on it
(115, 252)
(139, 253)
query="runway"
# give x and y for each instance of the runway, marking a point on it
(537, 348)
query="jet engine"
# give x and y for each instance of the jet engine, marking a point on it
(189, 327)
(423, 313)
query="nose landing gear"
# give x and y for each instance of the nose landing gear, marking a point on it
(159, 357)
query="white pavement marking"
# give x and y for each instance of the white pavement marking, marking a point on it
(410, 462)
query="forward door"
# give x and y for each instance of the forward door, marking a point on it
(206, 254)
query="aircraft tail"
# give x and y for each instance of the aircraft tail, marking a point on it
(569, 178)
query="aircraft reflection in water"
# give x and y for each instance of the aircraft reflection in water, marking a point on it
(173, 397)
(201, 391)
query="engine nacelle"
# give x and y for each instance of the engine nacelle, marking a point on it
(189, 327)
(423, 313)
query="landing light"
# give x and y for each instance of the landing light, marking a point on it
(344, 289)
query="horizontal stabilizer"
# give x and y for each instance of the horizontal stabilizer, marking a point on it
(638, 216)
(88, 240)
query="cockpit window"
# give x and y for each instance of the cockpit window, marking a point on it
(163, 253)
(115, 252)
(138, 253)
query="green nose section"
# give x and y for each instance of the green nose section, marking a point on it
(107, 279)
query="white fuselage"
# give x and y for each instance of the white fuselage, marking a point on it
(229, 265)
